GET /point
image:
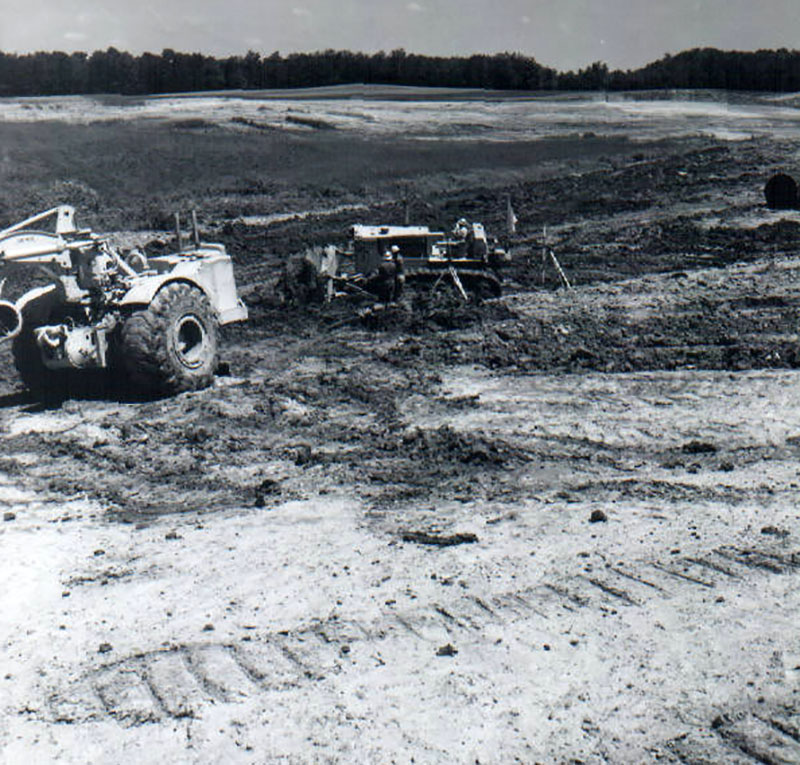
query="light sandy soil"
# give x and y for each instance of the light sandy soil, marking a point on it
(375, 111)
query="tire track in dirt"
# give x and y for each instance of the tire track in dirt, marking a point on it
(769, 735)
(180, 680)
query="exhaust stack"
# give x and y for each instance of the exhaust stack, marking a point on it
(10, 321)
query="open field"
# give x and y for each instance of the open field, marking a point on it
(244, 574)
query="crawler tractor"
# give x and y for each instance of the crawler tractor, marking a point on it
(152, 320)
(466, 257)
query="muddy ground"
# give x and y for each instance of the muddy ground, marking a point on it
(561, 526)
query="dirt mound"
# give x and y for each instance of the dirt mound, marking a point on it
(447, 446)
(422, 311)
(445, 310)
(710, 339)
(67, 192)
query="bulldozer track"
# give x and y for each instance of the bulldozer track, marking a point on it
(769, 737)
(470, 278)
(179, 681)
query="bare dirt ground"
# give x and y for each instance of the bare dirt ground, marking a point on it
(557, 527)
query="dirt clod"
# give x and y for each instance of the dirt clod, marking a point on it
(512, 516)
(718, 722)
(302, 454)
(105, 648)
(9, 516)
(268, 487)
(598, 516)
(424, 538)
(446, 650)
(775, 531)
(699, 447)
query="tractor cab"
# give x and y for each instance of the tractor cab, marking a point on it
(417, 244)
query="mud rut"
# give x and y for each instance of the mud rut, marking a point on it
(213, 565)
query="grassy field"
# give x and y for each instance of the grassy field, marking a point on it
(131, 175)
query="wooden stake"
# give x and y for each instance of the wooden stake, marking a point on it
(511, 218)
(457, 282)
(544, 252)
(560, 270)
(195, 229)
(178, 235)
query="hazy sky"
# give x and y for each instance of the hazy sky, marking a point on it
(565, 34)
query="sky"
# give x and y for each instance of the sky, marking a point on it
(563, 34)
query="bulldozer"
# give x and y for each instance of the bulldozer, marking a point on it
(465, 259)
(465, 256)
(151, 320)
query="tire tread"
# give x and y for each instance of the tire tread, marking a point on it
(145, 353)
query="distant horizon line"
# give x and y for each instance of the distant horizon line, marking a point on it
(263, 55)
(111, 71)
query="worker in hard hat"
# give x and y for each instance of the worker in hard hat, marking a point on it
(462, 233)
(399, 273)
(388, 282)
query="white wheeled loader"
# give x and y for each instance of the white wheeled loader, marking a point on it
(152, 320)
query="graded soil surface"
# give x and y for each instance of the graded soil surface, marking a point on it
(558, 526)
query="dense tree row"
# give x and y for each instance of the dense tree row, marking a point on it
(113, 71)
(775, 70)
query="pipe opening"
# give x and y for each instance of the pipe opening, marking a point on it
(781, 192)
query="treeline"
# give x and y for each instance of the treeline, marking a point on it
(767, 70)
(114, 71)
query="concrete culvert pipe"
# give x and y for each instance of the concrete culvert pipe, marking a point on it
(781, 192)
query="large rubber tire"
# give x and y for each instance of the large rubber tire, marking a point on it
(171, 345)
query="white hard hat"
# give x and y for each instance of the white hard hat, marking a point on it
(395, 249)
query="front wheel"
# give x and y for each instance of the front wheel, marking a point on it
(171, 345)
